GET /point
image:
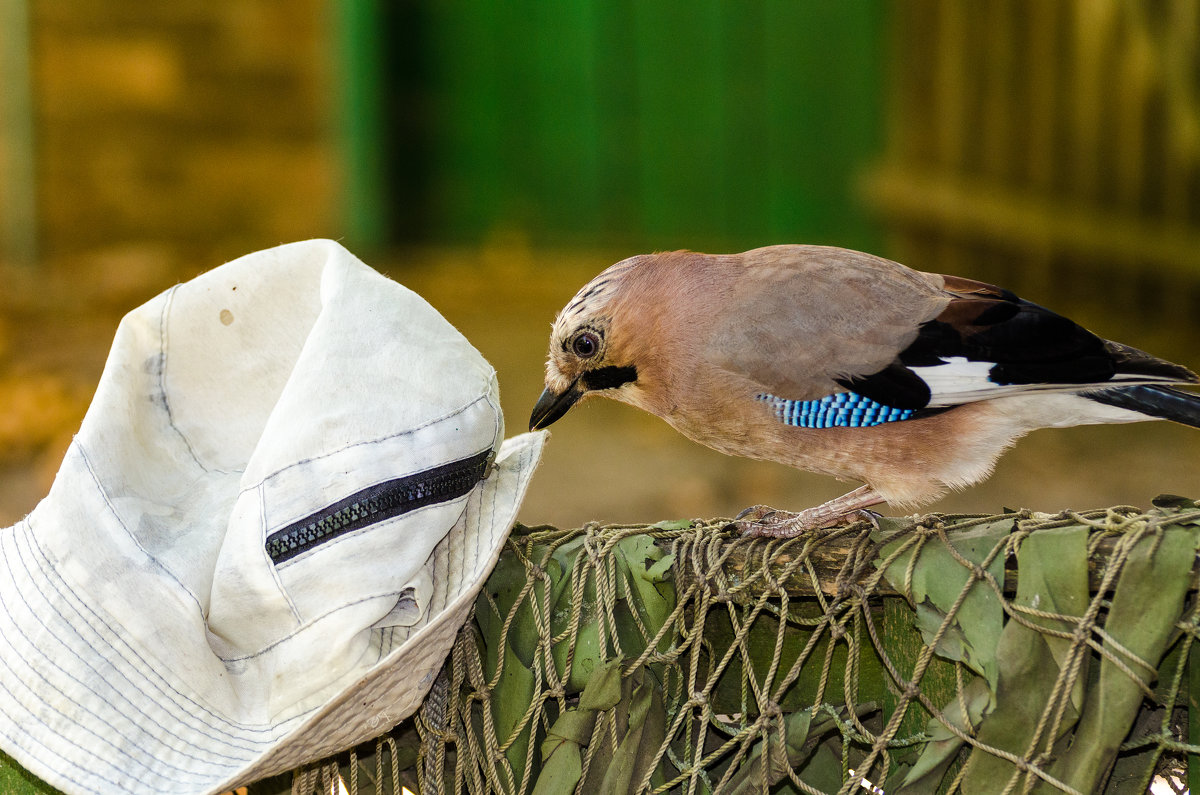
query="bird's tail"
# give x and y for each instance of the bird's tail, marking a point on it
(1164, 402)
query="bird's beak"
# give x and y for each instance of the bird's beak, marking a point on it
(551, 406)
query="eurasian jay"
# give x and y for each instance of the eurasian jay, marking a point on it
(843, 363)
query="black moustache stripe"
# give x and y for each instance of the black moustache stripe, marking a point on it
(609, 377)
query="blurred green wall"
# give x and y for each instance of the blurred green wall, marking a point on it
(626, 122)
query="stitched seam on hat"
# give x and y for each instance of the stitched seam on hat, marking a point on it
(491, 541)
(121, 750)
(498, 413)
(421, 632)
(441, 569)
(405, 432)
(150, 670)
(476, 494)
(314, 622)
(386, 635)
(128, 758)
(21, 704)
(446, 574)
(182, 741)
(162, 377)
(55, 766)
(87, 461)
(492, 522)
(492, 382)
(446, 598)
(266, 559)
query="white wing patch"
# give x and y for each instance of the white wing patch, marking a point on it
(960, 380)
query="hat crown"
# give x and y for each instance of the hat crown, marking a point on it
(257, 396)
(278, 511)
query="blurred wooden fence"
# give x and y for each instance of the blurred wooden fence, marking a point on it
(648, 124)
(1054, 146)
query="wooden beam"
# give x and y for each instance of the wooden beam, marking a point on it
(977, 208)
(829, 557)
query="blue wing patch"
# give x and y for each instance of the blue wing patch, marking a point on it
(843, 410)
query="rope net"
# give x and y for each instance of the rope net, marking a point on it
(1013, 653)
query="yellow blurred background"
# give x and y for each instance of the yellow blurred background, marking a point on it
(494, 156)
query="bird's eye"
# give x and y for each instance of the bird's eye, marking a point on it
(586, 345)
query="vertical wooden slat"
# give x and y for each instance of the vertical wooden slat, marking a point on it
(466, 100)
(678, 53)
(1135, 55)
(665, 125)
(899, 83)
(614, 62)
(523, 83)
(361, 117)
(18, 175)
(906, 109)
(562, 145)
(405, 135)
(1156, 58)
(998, 119)
(745, 162)
(822, 128)
(1043, 81)
(950, 89)
(1042, 22)
(1090, 114)
(1092, 29)
(790, 195)
(1180, 94)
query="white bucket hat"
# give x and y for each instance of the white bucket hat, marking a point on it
(284, 498)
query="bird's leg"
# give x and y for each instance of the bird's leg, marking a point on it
(761, 520)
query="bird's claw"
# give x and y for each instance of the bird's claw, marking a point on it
(867, 515)
(755, 513)
(762, 521)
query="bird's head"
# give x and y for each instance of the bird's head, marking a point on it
(590, 350)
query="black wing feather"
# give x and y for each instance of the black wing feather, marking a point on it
(1156, 401)
(1026, 344)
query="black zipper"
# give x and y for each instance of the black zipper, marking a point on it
(379, 502)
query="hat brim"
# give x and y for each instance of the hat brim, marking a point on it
(87, 711)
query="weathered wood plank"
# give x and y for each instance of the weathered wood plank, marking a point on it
(829, 557)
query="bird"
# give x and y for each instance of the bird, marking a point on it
(846, 364)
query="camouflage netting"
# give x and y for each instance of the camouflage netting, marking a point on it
(1014, 653)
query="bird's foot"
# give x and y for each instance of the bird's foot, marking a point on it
(761, 521)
